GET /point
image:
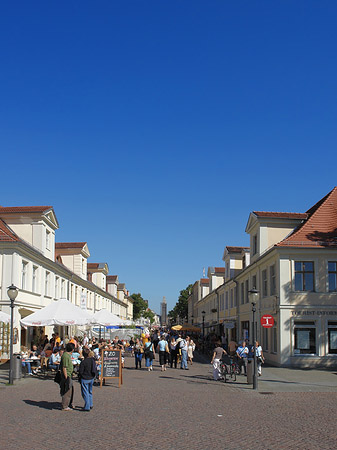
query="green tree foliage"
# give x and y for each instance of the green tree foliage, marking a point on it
(139, 306)
(148, 314)
(181, 307)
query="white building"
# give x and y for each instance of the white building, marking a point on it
(44, 272)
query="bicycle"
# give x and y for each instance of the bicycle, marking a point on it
(229, 369)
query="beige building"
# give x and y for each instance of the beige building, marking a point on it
(292, 262)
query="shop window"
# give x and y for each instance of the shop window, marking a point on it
(305, 338)
(245, 329)
(332, 337)
(304, 276)
(274, 334)
(332, 274)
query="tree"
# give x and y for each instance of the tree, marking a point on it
(148, 314)
(181, 307)
(139, 306)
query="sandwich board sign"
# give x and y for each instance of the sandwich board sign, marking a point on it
(111, 365)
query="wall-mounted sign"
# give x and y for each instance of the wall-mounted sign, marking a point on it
(267, 321)
(229, 325)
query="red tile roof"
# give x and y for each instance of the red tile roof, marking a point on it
(281, 215)
(92, 265)
(204, 281)
(6, 234)
(320, 228)
(24, 209)
(219, 269)
(236, 249)
(69, 244)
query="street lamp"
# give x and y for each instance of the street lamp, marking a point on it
(254, 292)
(12, 292)
(203, 330)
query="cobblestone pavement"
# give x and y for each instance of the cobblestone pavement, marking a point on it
(176, 409)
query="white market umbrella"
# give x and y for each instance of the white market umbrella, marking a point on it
(106, 318)
(60, 312)
(5, 318)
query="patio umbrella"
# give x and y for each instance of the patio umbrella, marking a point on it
(5, 318)
(60, 312)
(176, 327)
(106, 318)
(190, 327)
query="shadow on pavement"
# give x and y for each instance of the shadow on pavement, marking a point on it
(43, 404)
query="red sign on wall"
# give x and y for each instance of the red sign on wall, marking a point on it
(267, 321)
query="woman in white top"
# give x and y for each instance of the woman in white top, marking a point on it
(259, 357)
(190, 350)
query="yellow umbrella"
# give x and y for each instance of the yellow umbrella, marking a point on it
(190, 327)
(176, 327)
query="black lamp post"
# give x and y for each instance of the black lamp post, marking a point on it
(203, 330)
(254, 293)
(12, 292)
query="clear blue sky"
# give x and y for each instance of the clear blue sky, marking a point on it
(155, 127)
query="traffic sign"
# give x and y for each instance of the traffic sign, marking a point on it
(267, 321)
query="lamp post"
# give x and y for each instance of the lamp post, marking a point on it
(203, 331)
(12, 292)
(254, 293)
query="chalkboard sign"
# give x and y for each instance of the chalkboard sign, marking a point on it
(111, 365)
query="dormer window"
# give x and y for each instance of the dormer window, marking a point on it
(48, 240)
(254, 244)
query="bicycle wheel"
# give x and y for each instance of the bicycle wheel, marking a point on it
(233, 374)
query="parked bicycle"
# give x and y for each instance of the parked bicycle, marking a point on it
(229, 368)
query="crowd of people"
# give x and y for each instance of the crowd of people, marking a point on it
(82, 355)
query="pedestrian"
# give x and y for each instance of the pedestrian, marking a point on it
(163, 348)
(190, 350)
(149, 355)
(242, 354)
(217, 355)
(259, 357)
(66, 384)
(184, 347)
(87, 374)
(173, 352)
(138, 351)
(232, 346)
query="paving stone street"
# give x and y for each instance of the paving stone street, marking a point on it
(176, 409)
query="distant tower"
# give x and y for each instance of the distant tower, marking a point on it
(163, 311)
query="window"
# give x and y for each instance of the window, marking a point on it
(246, 291)
(242, 293)
(232, 298)
(226, 300)
(24, 275)
(221, 302)
(56, 287)
(265, 339)
(272, 280)
(46, 286)
(332, 337)
(264, 283)
(48, 239)
(274, 335)
(34, 281)
(305, 338)
(332, 274)
(235, 301)
(304, 276)
(255, 244)
(63, 289)
(254, 285)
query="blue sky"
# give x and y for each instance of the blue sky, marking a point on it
(154, 128)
